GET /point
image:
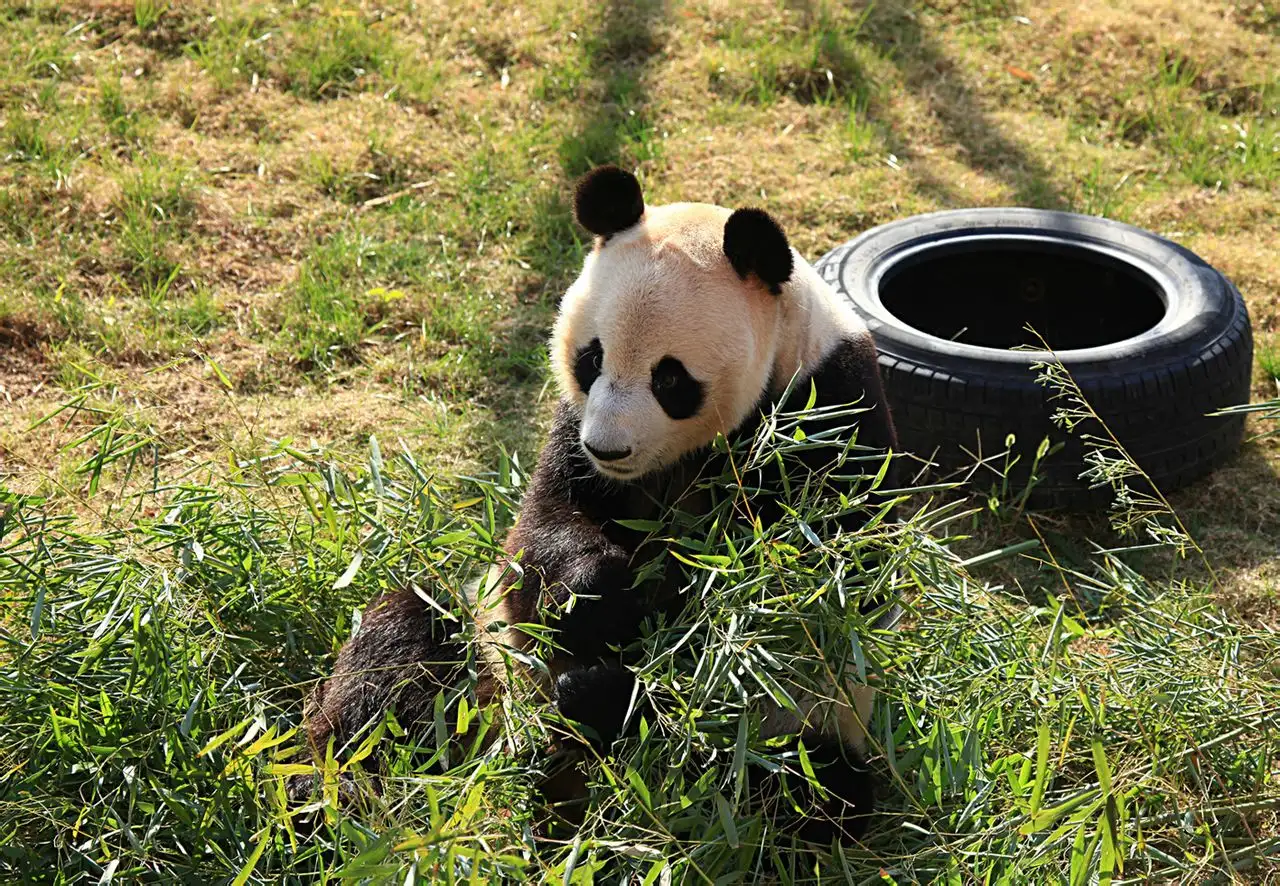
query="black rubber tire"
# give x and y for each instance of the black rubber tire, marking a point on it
(1154, 390)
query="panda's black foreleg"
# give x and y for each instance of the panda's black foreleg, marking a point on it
(593, 688)
(597, 697)
(847, 782)
(605, 614)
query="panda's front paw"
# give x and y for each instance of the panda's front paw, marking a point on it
(597, 697)
(841, 811)
(850, 801)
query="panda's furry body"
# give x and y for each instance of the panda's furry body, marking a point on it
(687, 321)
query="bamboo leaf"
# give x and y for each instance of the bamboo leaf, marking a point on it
(1101, 767)
(1042, 767)
(349, 574)
(252, 862)
(726, 820)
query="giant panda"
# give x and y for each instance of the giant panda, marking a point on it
(687, 321)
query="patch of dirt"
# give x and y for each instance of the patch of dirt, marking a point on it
(178, 24)
(1105, 58)
(23, 369)
(1260, 16)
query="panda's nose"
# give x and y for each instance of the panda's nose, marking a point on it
(607, 454)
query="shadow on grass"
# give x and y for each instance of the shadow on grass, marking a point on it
(1235, 512)
(613, 126)
(895, 31)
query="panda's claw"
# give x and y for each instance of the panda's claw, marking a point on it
(598, 697)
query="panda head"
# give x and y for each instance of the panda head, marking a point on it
(669, 334)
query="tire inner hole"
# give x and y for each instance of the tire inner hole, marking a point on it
(993, 293)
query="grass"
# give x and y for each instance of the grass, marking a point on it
(238, 241)
(333, 52)
(234, 49)
(818, 63)
(147, 13)
(1269, 358)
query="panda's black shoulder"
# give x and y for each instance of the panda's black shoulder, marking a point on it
(849, 373)
(846, 368)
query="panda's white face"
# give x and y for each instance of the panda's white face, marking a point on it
(660, 343)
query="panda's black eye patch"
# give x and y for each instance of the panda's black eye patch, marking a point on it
(677, 392)
(586, 366)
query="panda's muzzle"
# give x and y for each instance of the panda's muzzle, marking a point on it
(606, 454)
(606, 433)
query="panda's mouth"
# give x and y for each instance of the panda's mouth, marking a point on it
(616, 472)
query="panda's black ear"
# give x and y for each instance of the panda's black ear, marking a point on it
(608, 200)
(756, 245)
